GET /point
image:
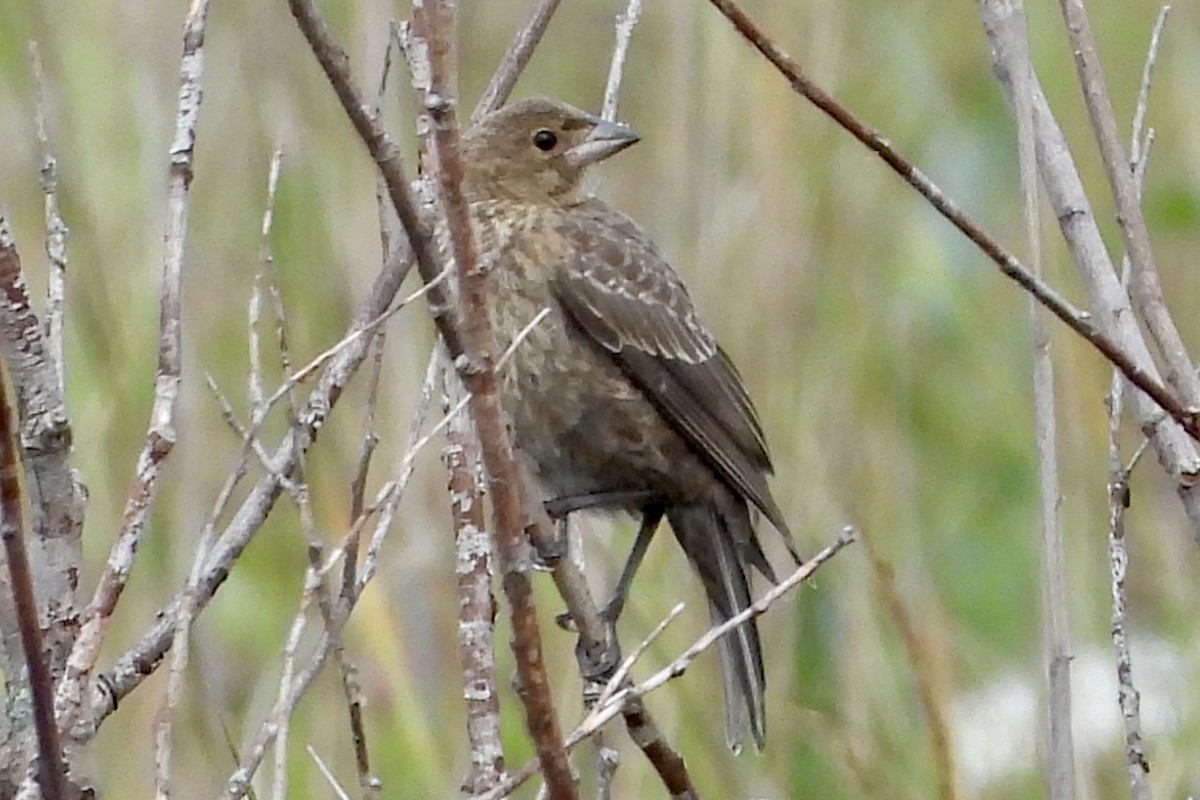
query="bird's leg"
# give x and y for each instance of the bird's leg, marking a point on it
(652, 515)
(560, 507)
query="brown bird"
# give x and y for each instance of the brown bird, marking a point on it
(620, 398)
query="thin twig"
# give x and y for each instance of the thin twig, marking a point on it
(358, 485)
(1145, 286)
(1060, 751)
(1137, 373)
(616, 67)
(51, 771)
(619, 677)
(515, 59)
(1128, 697)
(56, 230)
(1137, 142)
(327, 774)
(313, 584)
(677, 667)
(612, 706)
(367, 782)
(1110, 303)
(160, 438)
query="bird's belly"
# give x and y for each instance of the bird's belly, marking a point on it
(584, 428)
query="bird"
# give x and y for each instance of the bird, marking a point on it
(619, 397)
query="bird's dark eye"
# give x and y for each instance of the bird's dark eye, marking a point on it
(545, 140)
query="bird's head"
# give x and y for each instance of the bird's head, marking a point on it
(537, 150)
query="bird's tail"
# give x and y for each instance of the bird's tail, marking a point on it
(719, 540)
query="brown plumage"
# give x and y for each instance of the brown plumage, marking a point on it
(621, 396)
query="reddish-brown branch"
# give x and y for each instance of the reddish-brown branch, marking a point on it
(476, 366)
(669, 765)
(510, 517)
(1009, 265)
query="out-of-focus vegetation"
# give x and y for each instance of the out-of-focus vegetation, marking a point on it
(889, 360)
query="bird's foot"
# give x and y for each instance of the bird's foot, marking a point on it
(546, 554)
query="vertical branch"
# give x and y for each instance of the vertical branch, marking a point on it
(1060, 756)
(160, 437)
(476, 365)
(56, 230)
(14, 532)
(476, 604)
(1128, 698)
(616, 66)
(52, 551)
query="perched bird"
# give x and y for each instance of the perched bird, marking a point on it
(620, 397)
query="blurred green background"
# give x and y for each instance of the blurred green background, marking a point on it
(889, 360)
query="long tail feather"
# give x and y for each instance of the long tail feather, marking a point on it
(710, 536)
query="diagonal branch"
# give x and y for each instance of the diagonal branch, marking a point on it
(1140, 375)
(1176, 450)
(1145, 286)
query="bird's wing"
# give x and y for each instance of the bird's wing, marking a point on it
(622, 293)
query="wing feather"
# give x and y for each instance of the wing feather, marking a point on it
(622, 293)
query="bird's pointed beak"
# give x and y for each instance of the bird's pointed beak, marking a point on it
(606, 139)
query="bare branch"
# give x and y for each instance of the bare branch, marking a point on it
(56, 230)
(55, 503)
(616, 68)
(475, 363)
(617, 700)
(1145, 286)
(144, 657)
(476, 603)
(1060, 751)
(51, 770)
(1128, 698)
(1134, 369)
(1174, 446)
(160, 438)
